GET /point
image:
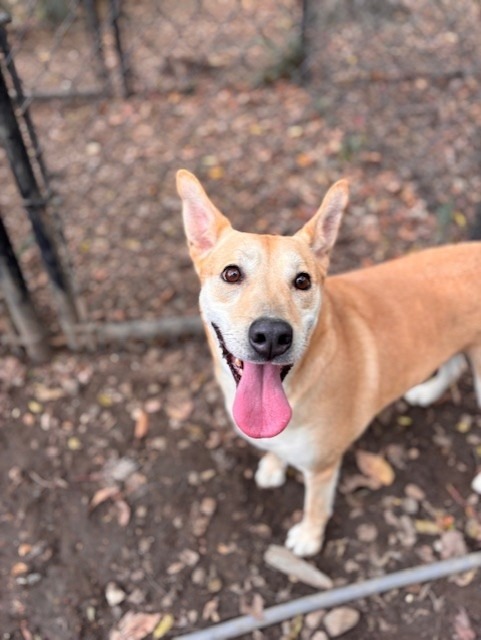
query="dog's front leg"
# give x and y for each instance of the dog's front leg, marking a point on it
(306, 538)
(271, 471)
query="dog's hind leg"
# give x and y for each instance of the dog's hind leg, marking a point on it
(474, 354)
(271, 472)
(426, 393)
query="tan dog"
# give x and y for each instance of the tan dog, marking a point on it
(306, 362)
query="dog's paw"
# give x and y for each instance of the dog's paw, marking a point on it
(422, 395)
(304, 540)
(270, 473)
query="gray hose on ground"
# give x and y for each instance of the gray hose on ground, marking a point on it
(334, 597)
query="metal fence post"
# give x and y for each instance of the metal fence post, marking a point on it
(22, 101)
(125, 72)
(17, 299)
(94, 24)
(308, 19)
(36, 207)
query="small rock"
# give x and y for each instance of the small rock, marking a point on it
(476, 484)
(199, 526)
(214, 585)
(414, 492)
(351, 566)
(189, 557)
(473, 529)
(136, 597)
(114, 594)
(153, 405)
(29, 580)
(74, 444)
(410, 506)
(452, 544)
(341, 620)
(192, 616)
(366, 532)
(93, 148)
(175, 568)
(24, 550)
(119, 470)
(208, 506)
(91, 613)
(198, 576)
(313, 620)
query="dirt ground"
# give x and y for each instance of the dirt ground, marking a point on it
(124, 489)
(180, 528)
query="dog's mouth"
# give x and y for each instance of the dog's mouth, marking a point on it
(236, 365)
(260, 409)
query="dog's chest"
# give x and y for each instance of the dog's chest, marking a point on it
(296, 445)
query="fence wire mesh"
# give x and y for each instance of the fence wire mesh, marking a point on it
(268, 103)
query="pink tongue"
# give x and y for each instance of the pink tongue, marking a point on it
(260, 406)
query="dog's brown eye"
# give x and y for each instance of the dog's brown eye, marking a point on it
(232, 274)
(302, 281)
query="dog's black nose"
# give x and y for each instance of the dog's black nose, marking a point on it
(270, 337)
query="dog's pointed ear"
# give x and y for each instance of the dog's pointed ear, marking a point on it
(203, 222)
(321, 230)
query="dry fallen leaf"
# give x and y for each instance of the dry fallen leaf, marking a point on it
(25, 631)
(135, 626)
(255, 608)
(163, 627)
(141, 425)
(375, 467)
(462, 627)
(427, 527)
(179, 405)
(294, 628)
(123, 512)
(74, 444)
(357, 481)
(35, 407)
(104, 400)
(18, 569)
(47, 394)
(153, 405)
(106, 493)
(464, 579)
(452, 544)
(286, 562)
(209, 612)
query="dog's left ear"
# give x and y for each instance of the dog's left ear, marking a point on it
(321, 230)
(203, 222)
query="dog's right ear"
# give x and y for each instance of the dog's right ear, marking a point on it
(320, 232)
(203, 222)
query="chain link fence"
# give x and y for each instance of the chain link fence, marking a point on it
(267, 102)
